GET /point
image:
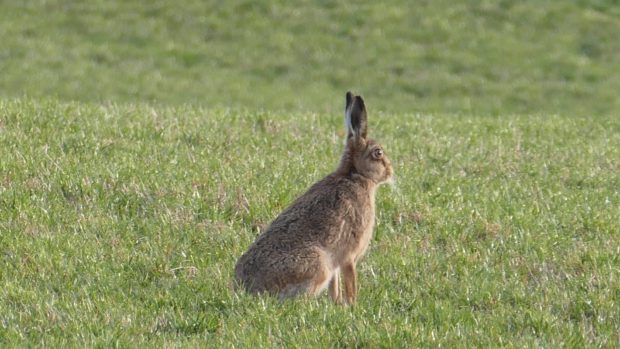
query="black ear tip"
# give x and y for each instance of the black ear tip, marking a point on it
(359, 101)
(349, 97)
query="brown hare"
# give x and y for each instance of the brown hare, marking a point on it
(326, 230)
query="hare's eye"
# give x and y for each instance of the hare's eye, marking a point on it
(377, 153)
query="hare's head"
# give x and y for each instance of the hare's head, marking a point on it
(363, 156)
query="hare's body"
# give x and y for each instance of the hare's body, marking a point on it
(324, 232)
(286, 259)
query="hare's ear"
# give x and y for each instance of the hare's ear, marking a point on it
(356, 118)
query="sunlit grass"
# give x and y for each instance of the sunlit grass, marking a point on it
(120, 226)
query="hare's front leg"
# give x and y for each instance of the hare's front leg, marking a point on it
(350, 282)
(334, 288)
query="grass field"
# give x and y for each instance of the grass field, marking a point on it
(121, 226)
(142, 149)
(440, 56)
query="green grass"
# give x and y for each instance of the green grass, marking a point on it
(473, 57)
(120, 226)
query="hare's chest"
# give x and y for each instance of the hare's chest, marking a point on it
(365, 233)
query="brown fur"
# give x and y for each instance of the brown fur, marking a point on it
(326, 230)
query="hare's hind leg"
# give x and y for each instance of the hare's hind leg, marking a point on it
(312, 286)
(321, 280)
(310, 279)
(294, 290)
